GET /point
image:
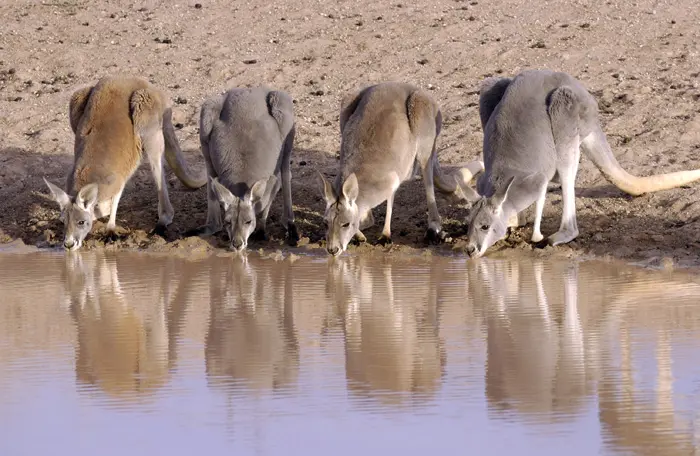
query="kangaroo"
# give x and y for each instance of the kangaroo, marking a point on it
(387, 131)
(534, 126)
(247, 137)
(114, 121)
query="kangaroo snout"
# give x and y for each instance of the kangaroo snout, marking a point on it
(69, 244)
(472, 251)
(334, 250)
(237, 244)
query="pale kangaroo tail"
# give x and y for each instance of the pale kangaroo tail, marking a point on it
(457, 182)
(173, 155)
(596, 146)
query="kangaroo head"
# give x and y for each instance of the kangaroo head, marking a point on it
(488, 221)
(77, 213)
(342, 215)
(240, 213)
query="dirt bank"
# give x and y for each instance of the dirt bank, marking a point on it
(639, 58)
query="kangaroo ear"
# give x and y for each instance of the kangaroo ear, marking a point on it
(87, 196)
(226, 198)
(328, 193)
(501, 194)
(257, 191)
(58, 195)
(351, 189)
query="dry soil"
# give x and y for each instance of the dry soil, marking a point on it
(640, 58)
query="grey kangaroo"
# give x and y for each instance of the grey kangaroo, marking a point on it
(534, 125)
(115, 121)
(247, 137)
(387, 132)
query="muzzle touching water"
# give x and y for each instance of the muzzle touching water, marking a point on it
(71, 244)
(238, 244)
(473, 251)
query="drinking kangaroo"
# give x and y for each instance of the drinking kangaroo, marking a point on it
(247, 137)
(534, 125)
(387, 131)
(115, 121)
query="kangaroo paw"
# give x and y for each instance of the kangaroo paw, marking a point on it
(359, 238)
(259, 235)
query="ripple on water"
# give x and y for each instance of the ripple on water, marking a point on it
(120, 353)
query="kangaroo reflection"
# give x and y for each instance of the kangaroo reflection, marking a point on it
(541, 351)
(251, 341)
(554, 336)
(633, 417)
(125, 346)
(392, 345)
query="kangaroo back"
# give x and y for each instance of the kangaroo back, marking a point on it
(106, 148)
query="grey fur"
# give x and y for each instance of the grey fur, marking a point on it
(388, 131)
(247, 137)
(534, 125)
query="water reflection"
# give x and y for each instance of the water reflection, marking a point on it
(251, 341)
(126, 340)
(535, 360)
(393, 351)
(589, 350)
(635, 414)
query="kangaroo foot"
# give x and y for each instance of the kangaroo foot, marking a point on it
(292, 235)
(160, 230)
(384, 240)
(435, 237)
(111, 237)
(536, 237)
(562, 237)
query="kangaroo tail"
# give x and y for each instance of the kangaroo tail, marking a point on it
(457, 182)
(596, 146)
(174, 157)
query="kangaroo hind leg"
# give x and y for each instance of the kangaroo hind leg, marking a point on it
(564, 116)
(210, 111)
(287, 208)
(425, 121)
(147, 114)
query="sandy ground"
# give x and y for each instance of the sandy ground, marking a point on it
(639, 58)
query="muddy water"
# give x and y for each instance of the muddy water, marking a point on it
(136, 354)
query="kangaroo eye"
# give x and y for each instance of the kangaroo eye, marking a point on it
(485, 227)
(248, 222)
(345, 225)
(81, 222)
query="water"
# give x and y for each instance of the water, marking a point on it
(136, 354)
